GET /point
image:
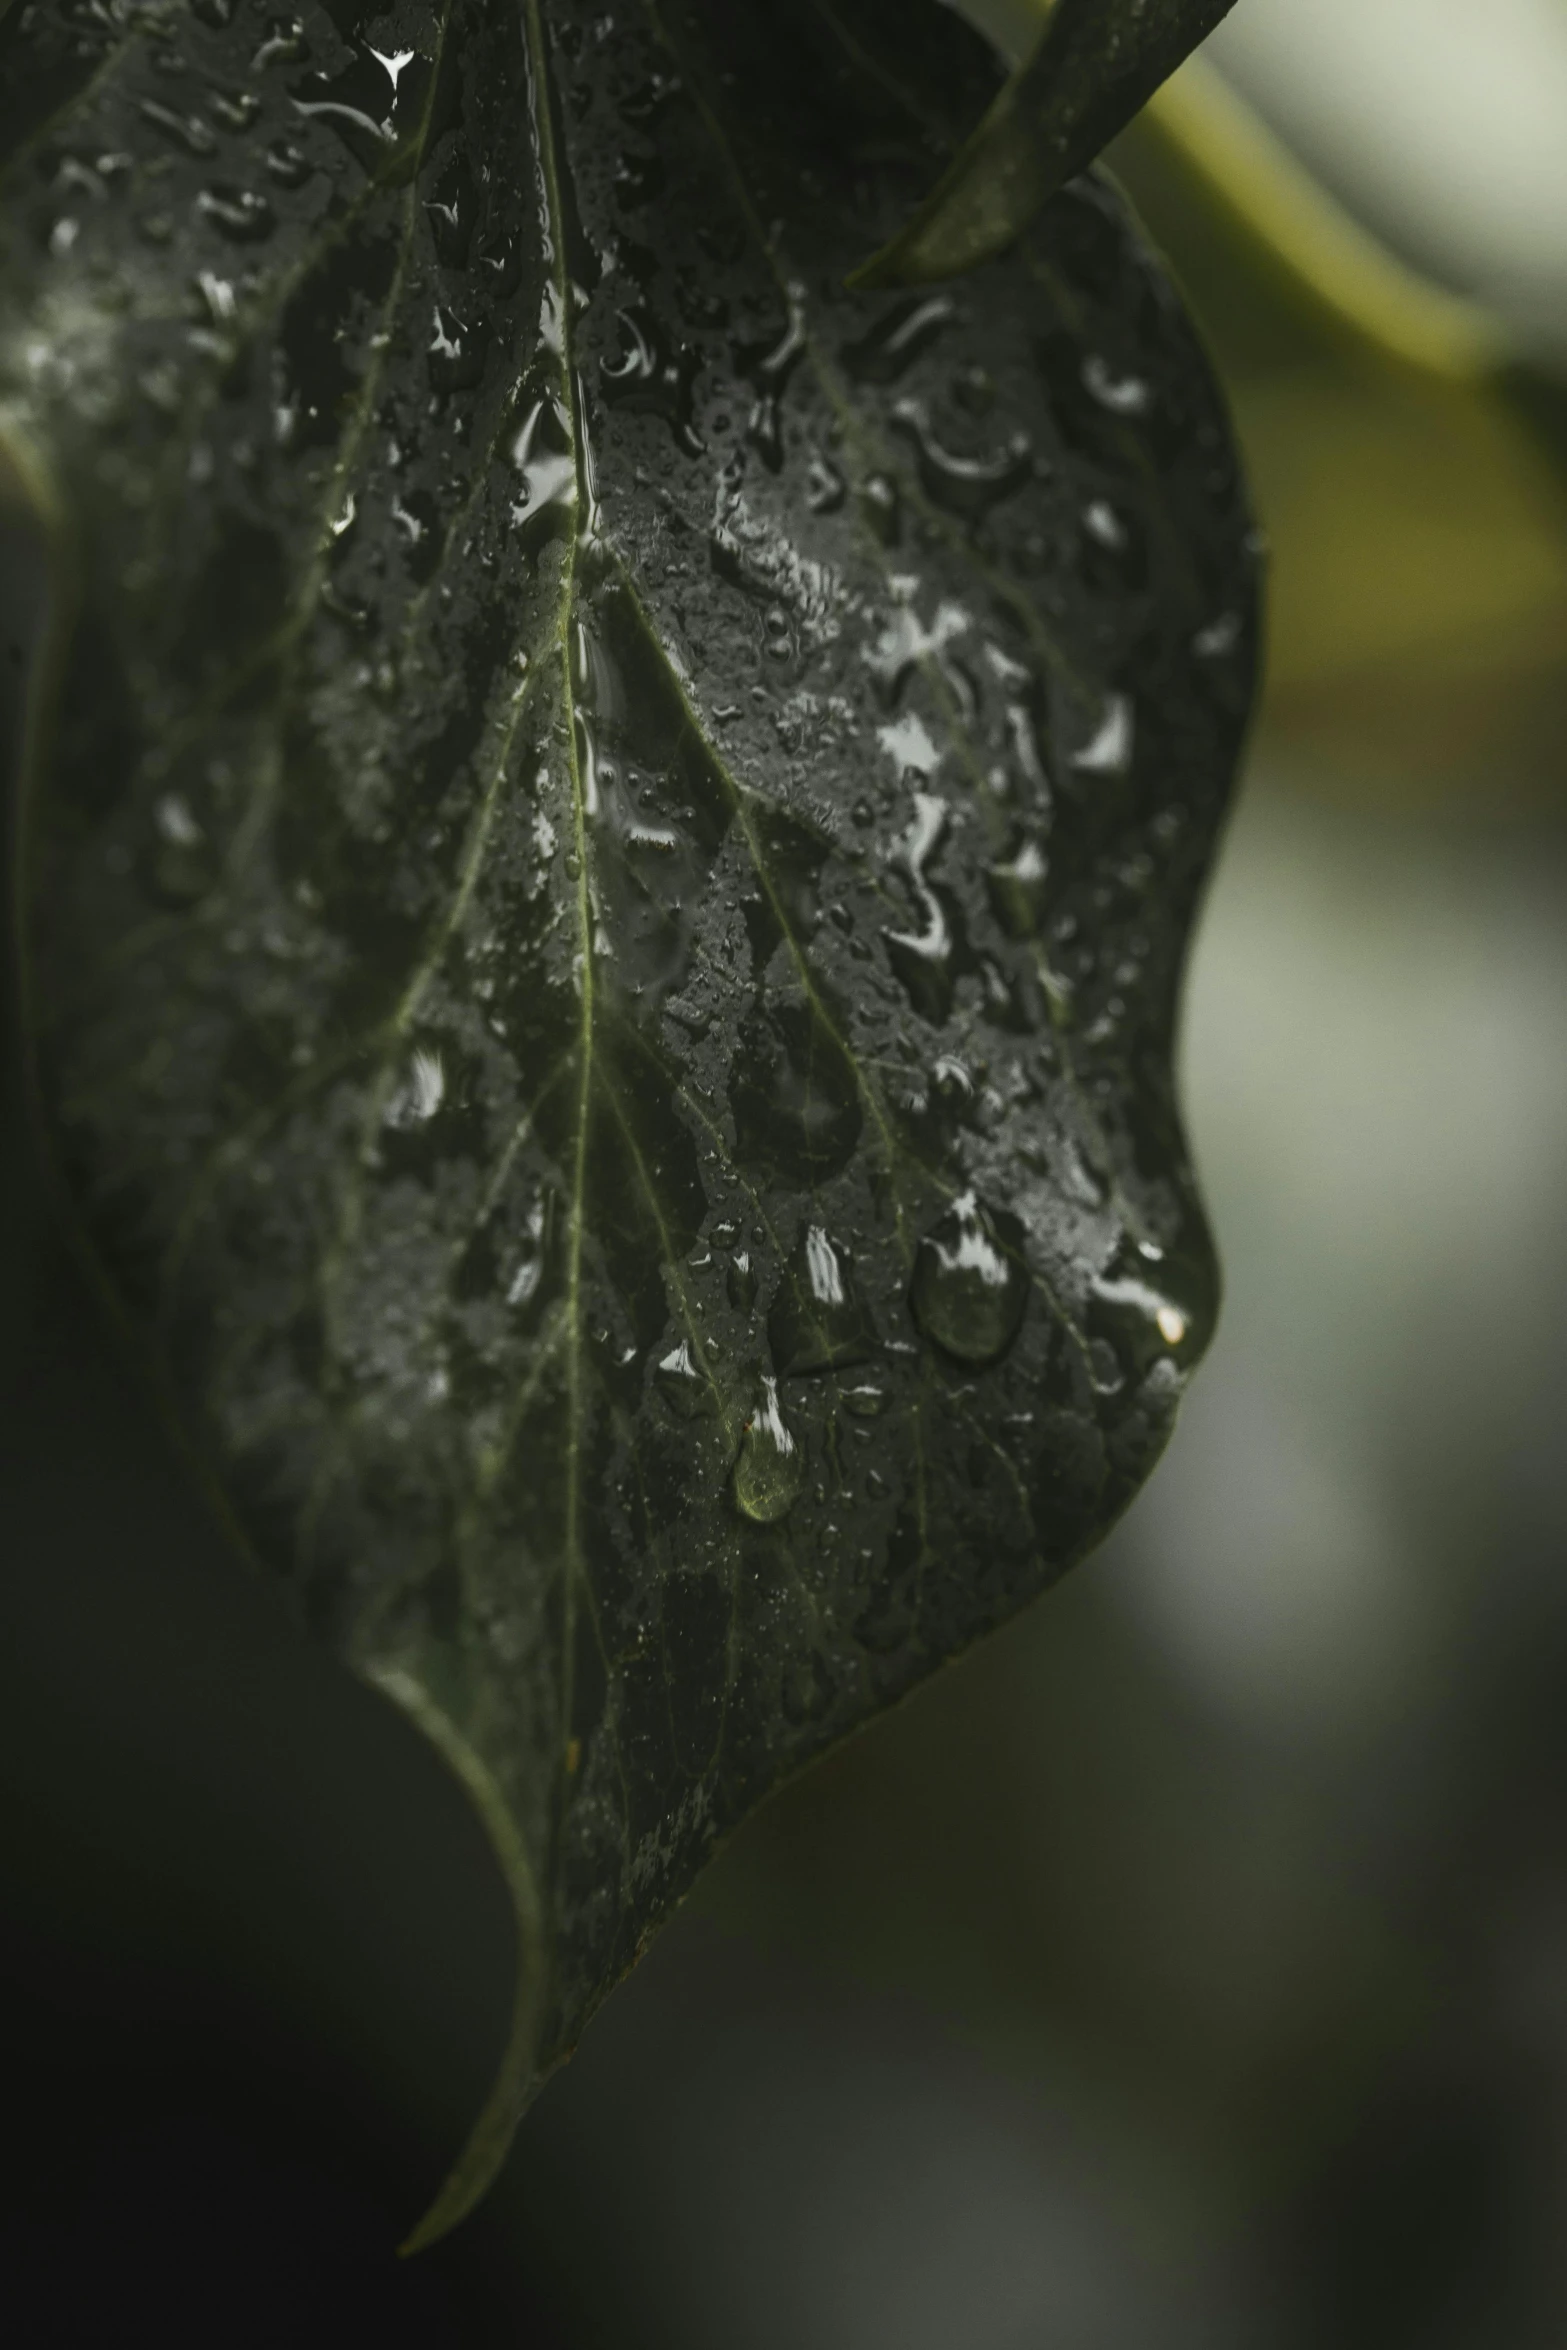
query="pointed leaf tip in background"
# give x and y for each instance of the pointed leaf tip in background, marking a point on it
(1095, 62)
(605, 895)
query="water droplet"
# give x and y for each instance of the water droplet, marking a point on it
(1119, 395)
(450, 212)
(1108, 750)
(371, 105)
(507, 1253)
(1150, 1305)
(907, 743)
(926, 960)
(186, 130)
(974, 388)
(655, 373)
(1112, 553)
(237, 213)
(904, 644)
(499, 262)
(865, 1403)
(770, 1472)
(970, 1284)
(819, 1319)
(896, 340)
(545, 458)
(768, 366)
(778, 637)
(1017, 889)
(456, 351)
(965, 486)
(285, 43)
(236, 109)
(638, 178)
(882, 507)
(180, 867)
(825, 488)
(421, 1092)
(1219, 639)
(688, 1394)
(288, 163)
(740, 1282)
(652, 98)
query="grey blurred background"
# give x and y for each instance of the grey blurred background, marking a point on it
(1188, 1965)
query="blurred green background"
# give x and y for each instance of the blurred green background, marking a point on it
(1189, 1964)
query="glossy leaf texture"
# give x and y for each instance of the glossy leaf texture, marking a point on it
(605, 890)
(1093, 64)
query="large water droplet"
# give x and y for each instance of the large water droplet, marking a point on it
(970, 1285)
(682, 1385)
(770, 1471)
(819, 1319)
(1153, 1305)
(656, 805)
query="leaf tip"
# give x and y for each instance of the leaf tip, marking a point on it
(517, 2078)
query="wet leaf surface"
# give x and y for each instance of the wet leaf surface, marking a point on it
(604, 897)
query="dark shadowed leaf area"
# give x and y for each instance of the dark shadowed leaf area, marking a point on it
(607, 865)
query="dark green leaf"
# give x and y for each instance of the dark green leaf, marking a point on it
(605, 895)
(1094, 64)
